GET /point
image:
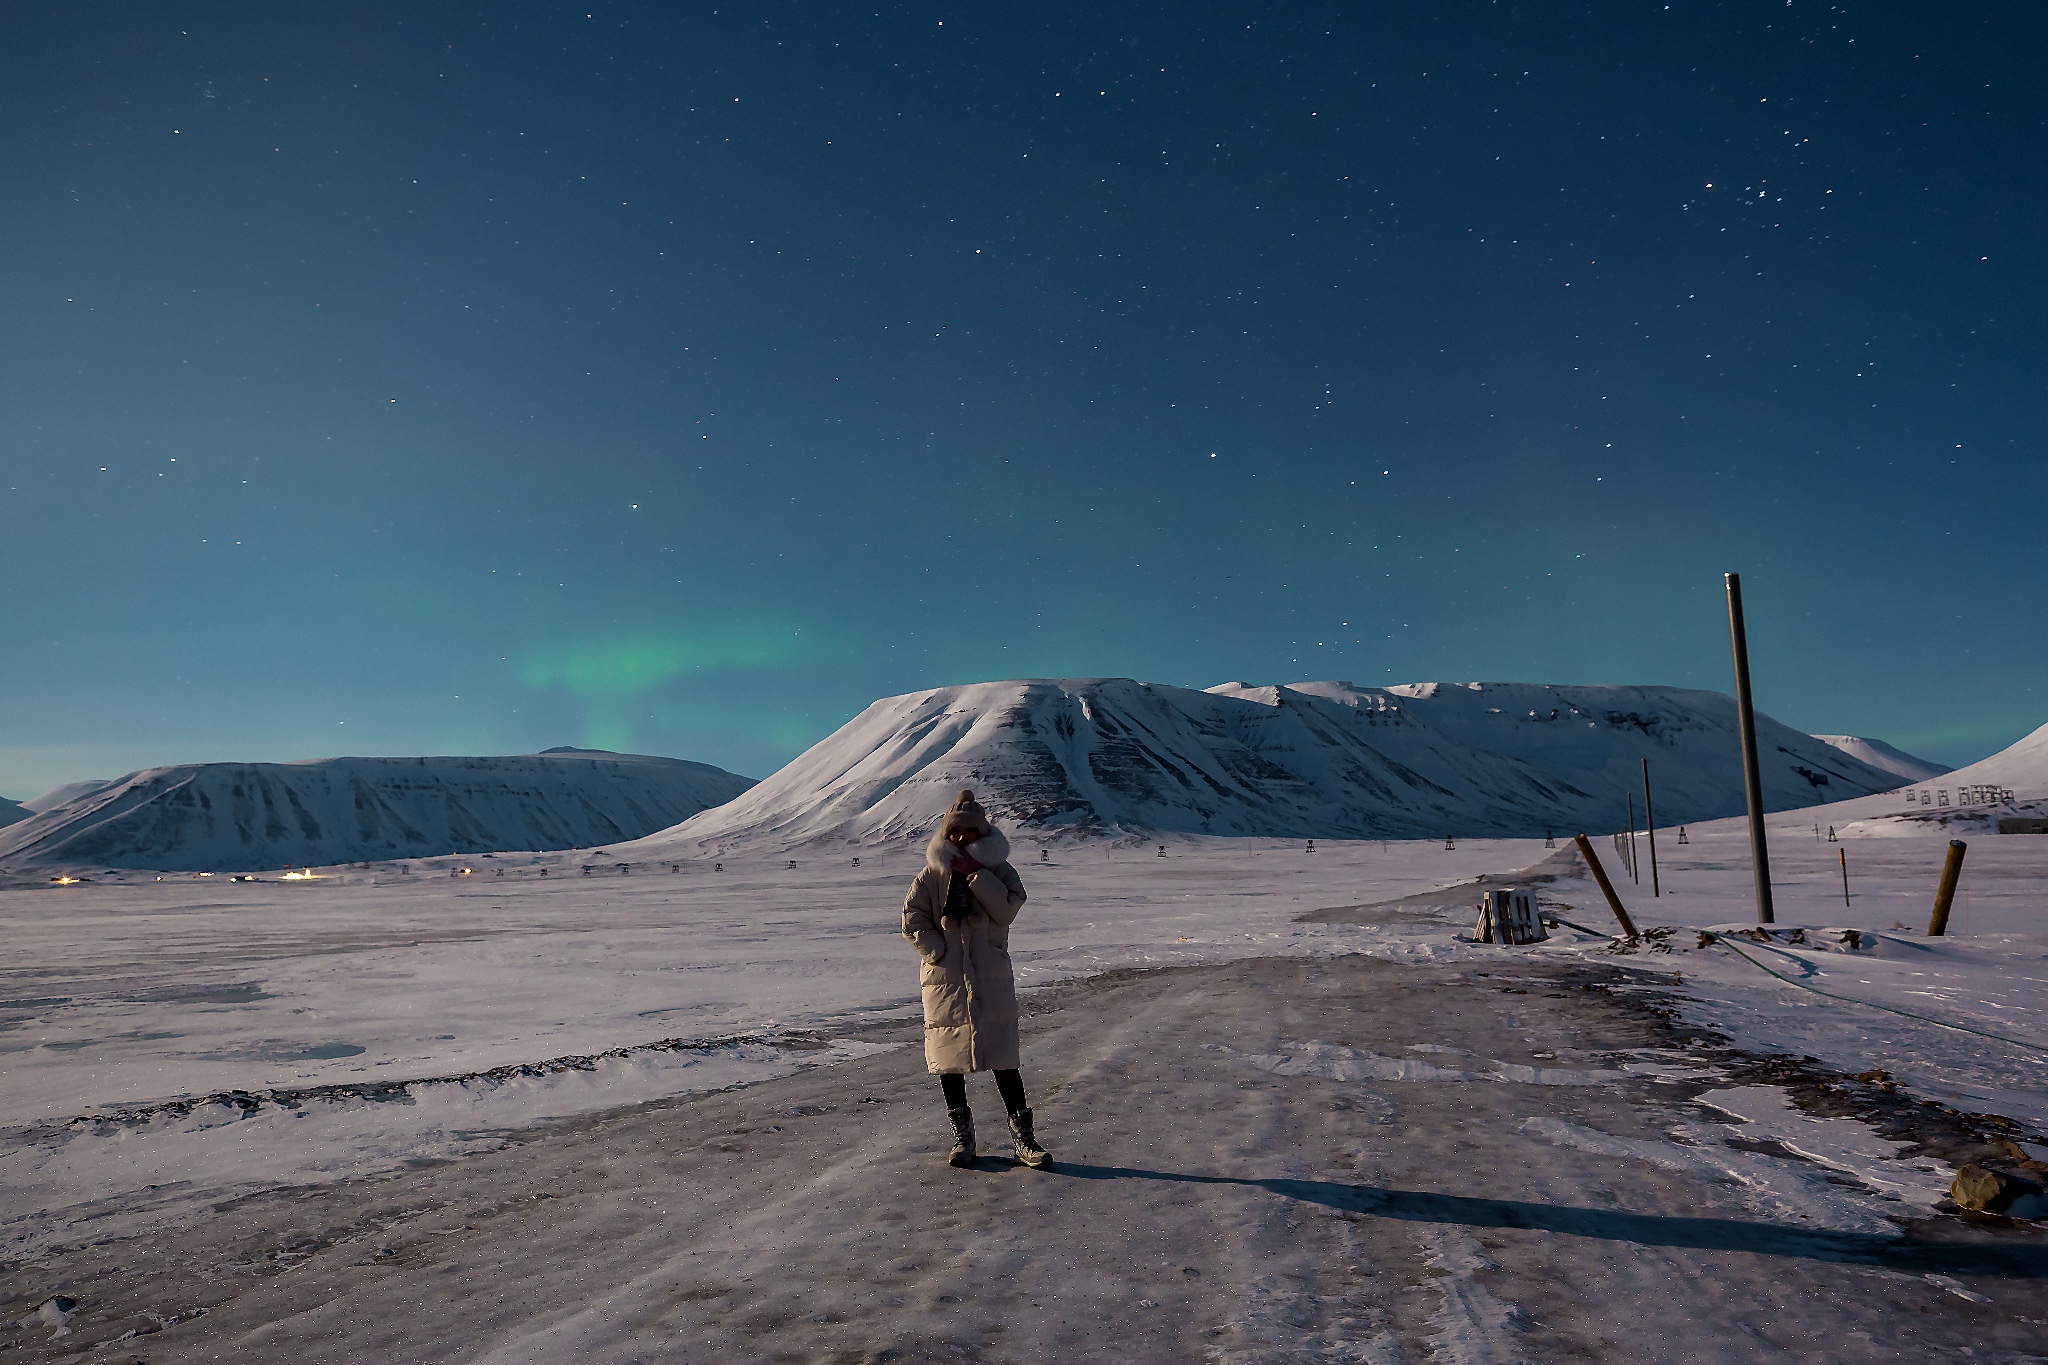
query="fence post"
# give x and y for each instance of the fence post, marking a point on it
(1606, 887)
(1945, 894)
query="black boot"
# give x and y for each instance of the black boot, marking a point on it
(1028, 1150)
(963, 1136)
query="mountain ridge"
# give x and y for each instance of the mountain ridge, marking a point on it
(1879, 754)
(1090, 757)
(242, 817)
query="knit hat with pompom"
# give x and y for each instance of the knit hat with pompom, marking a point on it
(967, 814)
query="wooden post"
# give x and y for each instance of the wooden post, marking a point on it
(1843, 855)
(1650, 820)
(1606, 887)
(1752, 777)
(1945, 894)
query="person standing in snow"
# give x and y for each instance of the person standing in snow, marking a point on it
(958, 914)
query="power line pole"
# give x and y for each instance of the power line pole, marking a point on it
(1634, 873)
(1752, 779)
(1650, 820)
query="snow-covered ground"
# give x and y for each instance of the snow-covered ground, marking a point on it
(1989, 974)
(121, 995)
(124, 1002)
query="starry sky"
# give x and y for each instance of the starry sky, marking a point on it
(394, 379)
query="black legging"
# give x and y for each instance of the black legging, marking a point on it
(1008, 1082)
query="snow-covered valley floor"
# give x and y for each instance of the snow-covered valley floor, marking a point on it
(1378, 1152)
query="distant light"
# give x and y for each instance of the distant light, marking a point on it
(65, 881)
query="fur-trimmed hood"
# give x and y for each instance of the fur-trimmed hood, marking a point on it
(990, 850)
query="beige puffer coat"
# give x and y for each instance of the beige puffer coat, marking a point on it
(970, 996)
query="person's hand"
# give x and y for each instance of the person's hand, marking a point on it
(965, 865)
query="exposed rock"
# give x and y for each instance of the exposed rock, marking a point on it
(1988, 1189)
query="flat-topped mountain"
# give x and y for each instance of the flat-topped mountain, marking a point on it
(1315, 760)
(238, 817)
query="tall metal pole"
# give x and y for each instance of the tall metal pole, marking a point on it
(1752, 779)
(1633, 875)
(1650, 819)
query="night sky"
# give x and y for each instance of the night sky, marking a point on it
(391, 379)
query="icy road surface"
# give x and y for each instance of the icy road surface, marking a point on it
(1280, 1160)
(168, 1045)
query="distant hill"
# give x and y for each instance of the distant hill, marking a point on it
(12, 812)
(1879, 754)
(57, 796)
(236, 817)
(2022, 766)
(1968, 800)
(1315, 760)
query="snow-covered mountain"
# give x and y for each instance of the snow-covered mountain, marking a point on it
(1967, 800)
(1879, 754)
(11, 812)
(237, 817)
(57, 796)
(1318, 760)
(2023, 768)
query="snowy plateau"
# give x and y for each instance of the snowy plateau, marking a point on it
(242, 817)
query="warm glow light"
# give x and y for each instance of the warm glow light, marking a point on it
(65, 881)
(306, 876)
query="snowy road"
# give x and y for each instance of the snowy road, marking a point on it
(120, 997)
(1273, 1160)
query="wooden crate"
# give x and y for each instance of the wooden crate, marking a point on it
(1509, 916)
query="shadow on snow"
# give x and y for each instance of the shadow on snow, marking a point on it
(2013, 1260)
